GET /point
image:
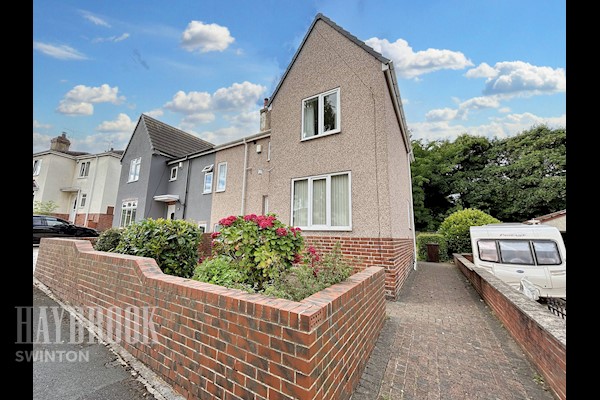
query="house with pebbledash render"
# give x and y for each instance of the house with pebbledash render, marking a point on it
(332, 156)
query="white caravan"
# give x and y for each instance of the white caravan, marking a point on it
(530, 258)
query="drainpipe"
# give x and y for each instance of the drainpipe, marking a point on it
(412, 220)
(89, 201)
(244, 177)
(187, 185)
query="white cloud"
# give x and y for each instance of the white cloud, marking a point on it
(200, 107)
(37, 125)
(510, 78)
(504, 110)
(205, 37)
(410, 64)
(41, 142)
(441, 114)
(122, 124)
(239, 95)
(157, 112)
(189, 103)
(505, 126)
(111, 38)
(94, 19)
(80, 99)
(242, 124)
(476, 103)
(62, 52)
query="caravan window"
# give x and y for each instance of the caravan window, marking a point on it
(487, 250)
(515, 252)
(546, 253)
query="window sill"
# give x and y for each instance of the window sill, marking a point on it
(206, 192)
(326, 229)
(219, 191)
(132, 181)
(82, 177)
(172, 180)
(321, 135)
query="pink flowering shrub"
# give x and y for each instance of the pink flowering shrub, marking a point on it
(260, 245)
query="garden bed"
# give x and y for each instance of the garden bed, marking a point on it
(216, 342)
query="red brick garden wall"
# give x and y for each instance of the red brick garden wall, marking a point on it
(394, 255)
(222, 343)
(541, 335)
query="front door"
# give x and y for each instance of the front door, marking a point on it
(73, 211)
(171, 211)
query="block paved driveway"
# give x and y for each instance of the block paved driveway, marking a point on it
(440, 341)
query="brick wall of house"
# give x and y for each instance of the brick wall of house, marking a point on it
(541, 335)
(214, 342)
(394, 255)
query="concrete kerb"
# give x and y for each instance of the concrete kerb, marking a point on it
(153, 383)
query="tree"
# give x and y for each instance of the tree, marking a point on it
(455, 228)
(514, 178)
(44, 207)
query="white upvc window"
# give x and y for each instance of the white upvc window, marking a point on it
(84, 169)
(134, 169)
(269, 151)
(321, 115)
(221, 177)
(322, 202)
(37, 165)
(173, 174)
(128, 211)
(83, 200)
(207, 182)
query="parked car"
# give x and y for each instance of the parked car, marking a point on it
(48, 226)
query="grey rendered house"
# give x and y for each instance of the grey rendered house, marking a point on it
(332, 156)
(148, 187)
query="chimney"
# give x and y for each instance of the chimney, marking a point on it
(60, 143)
(265, 117)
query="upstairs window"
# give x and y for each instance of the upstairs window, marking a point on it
(84, 169)
(321, 114)
(134, 169)
(173, 174)
(37, 165)
(221, 177)
(208, 178)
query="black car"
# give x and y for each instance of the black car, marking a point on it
(48, 226)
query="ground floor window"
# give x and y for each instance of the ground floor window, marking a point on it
(128, 211)
(322, 202)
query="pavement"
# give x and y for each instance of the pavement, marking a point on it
(89, 370)
(439, 341)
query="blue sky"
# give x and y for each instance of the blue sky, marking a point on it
(483, 67)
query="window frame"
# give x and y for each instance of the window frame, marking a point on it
(269, 151)
(203, 226)
(37, 167)
(320, 113)
(171, 177)
(327, 226)
(136, 165)
(84, 169)
(206, 174)
(83, 200)
(219, 165)
(127, 208)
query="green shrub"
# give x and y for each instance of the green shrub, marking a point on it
(172, 243)
(44, 207)
(108, 240)
(261, 246)
(314, 274)
(219, 270)
(455, 228)
(426, 237)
